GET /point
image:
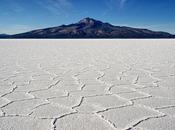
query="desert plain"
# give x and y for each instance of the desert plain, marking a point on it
(87, 84)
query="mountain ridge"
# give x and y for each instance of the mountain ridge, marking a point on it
(91, 28)
(3, 35)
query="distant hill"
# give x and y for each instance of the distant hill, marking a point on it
(91, 28)
(3, 35)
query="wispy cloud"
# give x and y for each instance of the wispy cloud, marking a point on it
(56, 6)
(122, 3)
(116, 3)
(12, 6)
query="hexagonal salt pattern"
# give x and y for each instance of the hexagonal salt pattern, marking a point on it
(87, 85)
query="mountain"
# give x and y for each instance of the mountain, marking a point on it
(3, 35)
(91, 28)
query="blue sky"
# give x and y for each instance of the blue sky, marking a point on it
(23, 15)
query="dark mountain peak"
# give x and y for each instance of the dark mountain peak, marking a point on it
(89, 21)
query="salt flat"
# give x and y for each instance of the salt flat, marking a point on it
(87, 84)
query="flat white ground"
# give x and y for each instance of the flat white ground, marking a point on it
(87, 85)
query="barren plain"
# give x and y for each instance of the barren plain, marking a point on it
(87, 84)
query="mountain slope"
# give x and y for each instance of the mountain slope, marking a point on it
(3, 35)
(91, 28)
